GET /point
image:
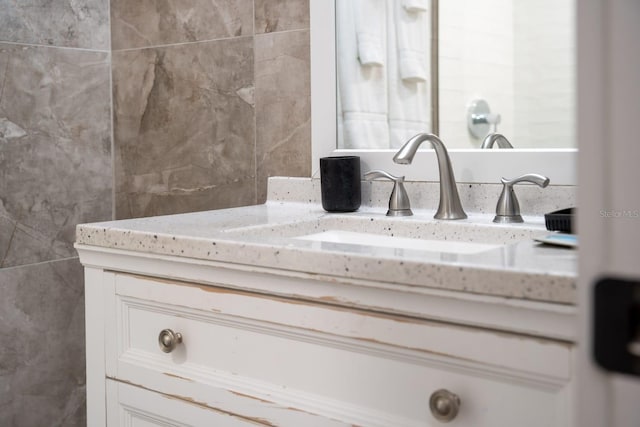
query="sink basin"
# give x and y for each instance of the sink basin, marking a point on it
(362, 233)
(378, 240)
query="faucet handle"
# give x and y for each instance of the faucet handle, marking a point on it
(533, 178)
(508, 208)
(399, 201)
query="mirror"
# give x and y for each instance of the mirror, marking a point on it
(458, 68)
(471, 165)
(383, 72)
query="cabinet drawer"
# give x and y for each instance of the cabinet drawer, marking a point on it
(130, 406)
(288, 362)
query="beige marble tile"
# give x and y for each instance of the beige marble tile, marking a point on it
(184, 128)
(42, 357)
(55, 151)
(62, 23)
(159, 22)
(283, 107)
(281, 15)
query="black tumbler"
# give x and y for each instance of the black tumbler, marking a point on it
(340, 183)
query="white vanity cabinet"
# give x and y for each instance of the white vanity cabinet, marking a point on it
(269, 347)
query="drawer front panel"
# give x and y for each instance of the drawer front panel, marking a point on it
(259, 357)
(130, 406)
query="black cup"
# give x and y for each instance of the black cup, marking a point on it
(340, 183)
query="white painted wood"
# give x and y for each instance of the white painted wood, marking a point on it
(358, 367)
(95, 345)
(110, 319)
(608, 93)
(241, 309)
(527, 317)
(294, 349)
(131, 406)
(323, 81)
(480, 166)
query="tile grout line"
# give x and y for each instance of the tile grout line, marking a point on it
(167, 45)
(255, 110)
(83, 49)
(33, 264)
(6, 254)
(112, 115)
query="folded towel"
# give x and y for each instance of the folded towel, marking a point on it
(415, 6)
(400, 131)
(370, 31)
(362, 91)
(370, 49)
(365, 130)
(412, 40)
(409, 101)
(413, 66)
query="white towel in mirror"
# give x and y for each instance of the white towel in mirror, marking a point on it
(412, 39)
(370, 31)
(415, 6)
(409, 100)
(362, 89)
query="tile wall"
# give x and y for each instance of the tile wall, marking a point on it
(125, 109)
(55, 171)
(210, 98)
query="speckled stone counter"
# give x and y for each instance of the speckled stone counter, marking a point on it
(268, 236)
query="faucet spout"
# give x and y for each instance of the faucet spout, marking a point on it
(498, 138)
(449, 206)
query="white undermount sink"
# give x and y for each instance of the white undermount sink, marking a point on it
(356, 233)
(378, 240)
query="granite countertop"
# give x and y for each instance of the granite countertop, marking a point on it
(266, 236)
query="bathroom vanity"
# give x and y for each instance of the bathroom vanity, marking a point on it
(282, 314)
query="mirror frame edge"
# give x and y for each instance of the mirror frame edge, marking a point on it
(323, 81)
(558, 164)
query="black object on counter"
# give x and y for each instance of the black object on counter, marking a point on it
(561, 220)
(340, 183)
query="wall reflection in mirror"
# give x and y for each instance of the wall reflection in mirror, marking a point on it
(505, 66)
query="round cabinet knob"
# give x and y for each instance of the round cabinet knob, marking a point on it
(169, 340)
(444, 405)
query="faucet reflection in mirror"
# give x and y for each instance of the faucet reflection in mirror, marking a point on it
(383, 73)
(496, 138)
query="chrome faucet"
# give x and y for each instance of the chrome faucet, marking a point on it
(449, 206)
(492, 138)
(508, 208)
(399, 204)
